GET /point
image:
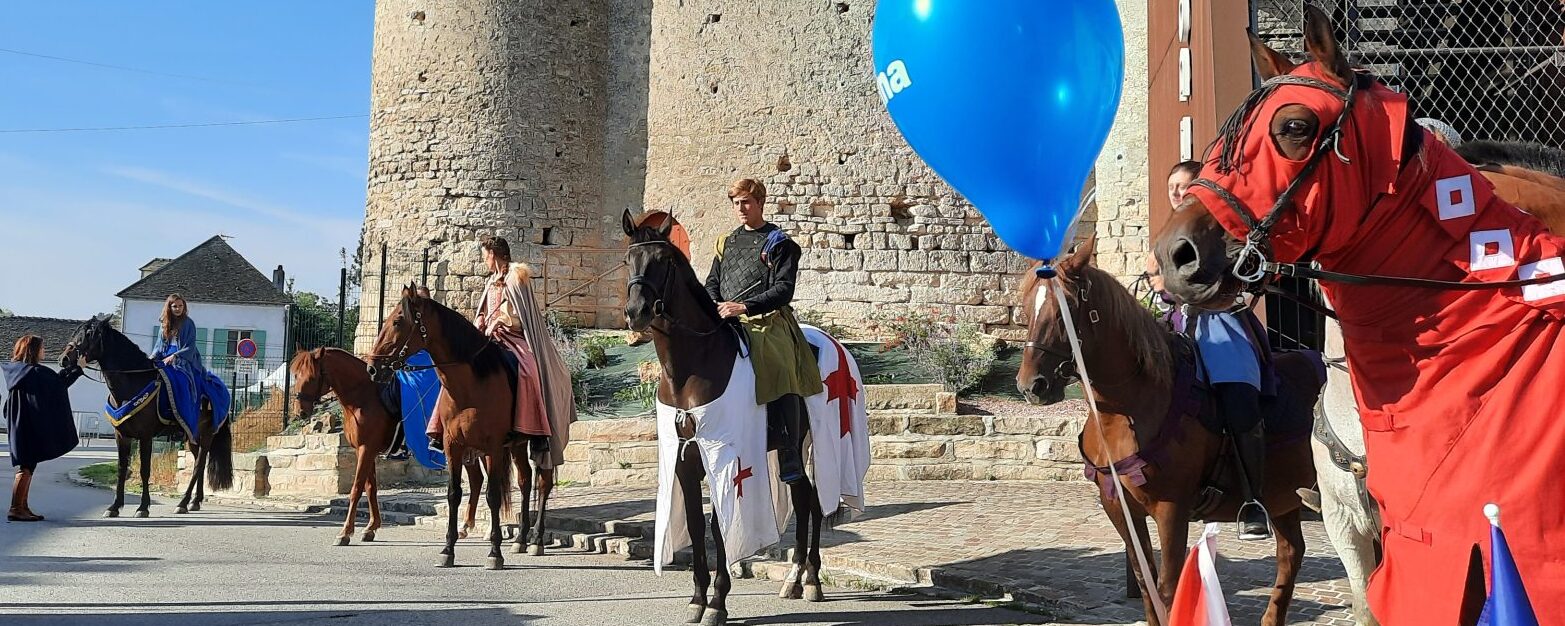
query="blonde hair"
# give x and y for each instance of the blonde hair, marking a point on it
(29, 349)
(170, 321)
(748, 187)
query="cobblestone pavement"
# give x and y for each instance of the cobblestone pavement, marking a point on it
(1040, 540)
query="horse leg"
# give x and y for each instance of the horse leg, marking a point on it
(372, 493)
(475, 485)
(812, 575)
(190, 489)
(1173, 533)
(524, 478)
(1124, 527)
(453, 505)
(346, 536)
(145, 508)
(499, 471)
(717, 611)
(791, 588)
(1290, 555)
(205, 458)
(545, 487)
(122, 444)
(1345, 521)
(689, 473)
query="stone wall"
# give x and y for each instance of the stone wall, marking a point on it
(525, 118)
(307, 465)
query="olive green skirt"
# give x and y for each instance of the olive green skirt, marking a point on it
(781, 357)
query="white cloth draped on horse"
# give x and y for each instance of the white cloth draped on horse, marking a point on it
(752, 506)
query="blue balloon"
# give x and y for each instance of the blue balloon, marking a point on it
(1010, 101)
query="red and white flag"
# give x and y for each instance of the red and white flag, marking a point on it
(1199, 599)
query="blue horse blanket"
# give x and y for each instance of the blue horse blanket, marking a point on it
(178, 400)
(420, 389)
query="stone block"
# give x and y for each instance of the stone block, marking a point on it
(946, 425)
(616, 430)
(846, 260)
(277, 442)
(901, 396)
(1023, 471)
(945, 403)
(880, 260)
(643, 454)
(1038, 426)
(883, 473)
(925, 449)
(955, 261)
(575, 452)
(646, 477)
(881, 424)
(942, 471)
(912, 261)
(983, 314)
(995, 449)
(1060, 449)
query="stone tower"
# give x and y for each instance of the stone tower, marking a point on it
(495, 117)
(541, 121)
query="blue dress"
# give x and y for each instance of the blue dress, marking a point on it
(187, 356)
(1227, 352)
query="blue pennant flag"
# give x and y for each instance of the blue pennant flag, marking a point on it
(1507, 604)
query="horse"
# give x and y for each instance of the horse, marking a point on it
(698, 351)
(1151, 414)
(127, 371)
(1446, 302)
(476, 397)
(1352, 520)
(368, 425)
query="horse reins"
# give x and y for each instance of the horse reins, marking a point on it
(1250, 262)
(417, 317)
(659, 303)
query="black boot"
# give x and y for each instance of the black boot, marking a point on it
(1253, 519)
(783, 417)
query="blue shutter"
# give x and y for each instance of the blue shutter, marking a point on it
(221, 357)
(260, 347)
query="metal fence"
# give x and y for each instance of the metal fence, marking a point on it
(1492, 69)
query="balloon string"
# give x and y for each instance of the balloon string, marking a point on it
(1119, 490)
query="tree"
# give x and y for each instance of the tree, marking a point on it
(6, 313)
(314, 322)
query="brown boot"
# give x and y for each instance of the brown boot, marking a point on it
(19, 486)
(27, 490)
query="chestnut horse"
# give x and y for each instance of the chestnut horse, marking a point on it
(474, 405)
(367, 424)
(1444, 294)
(1150, 412)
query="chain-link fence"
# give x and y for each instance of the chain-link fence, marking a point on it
(1493, 69)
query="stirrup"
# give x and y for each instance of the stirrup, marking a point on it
(1240, 523)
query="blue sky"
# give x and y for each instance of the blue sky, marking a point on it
(81, 211)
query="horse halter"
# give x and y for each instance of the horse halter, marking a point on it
(1250, 261)
(320, 384)
(1066, 369)
(659, 303)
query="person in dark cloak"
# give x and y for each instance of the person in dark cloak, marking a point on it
(38, 418)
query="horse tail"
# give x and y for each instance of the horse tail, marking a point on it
(220, 459)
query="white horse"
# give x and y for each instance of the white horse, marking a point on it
(1352, 517)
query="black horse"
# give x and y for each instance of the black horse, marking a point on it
(127, 371)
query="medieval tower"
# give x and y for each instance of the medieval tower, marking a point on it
(543, 121)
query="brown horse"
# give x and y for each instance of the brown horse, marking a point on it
(367, 424)
(475, 403)
(1168, 462)
(698, 351)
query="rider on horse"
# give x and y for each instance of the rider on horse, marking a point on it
(176, 346)
(1231, 359)
(752, 279)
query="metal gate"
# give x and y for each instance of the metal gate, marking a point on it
(1492, 69)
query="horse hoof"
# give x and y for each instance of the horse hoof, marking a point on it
(368, 537)
(813, 593)
(496, 563)
(535, 550)
(182, 510)
(142, 513)
(714, 617)
(196, 506)
(343, 540)
(695, 611)
(111, 513)
(446, 560)
(791, 591)
(461, 534)
(519, 548)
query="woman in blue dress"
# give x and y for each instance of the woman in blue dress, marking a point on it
(176, 345)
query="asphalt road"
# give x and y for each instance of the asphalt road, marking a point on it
(226, 565)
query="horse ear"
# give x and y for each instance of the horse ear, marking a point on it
(1080, 255)
(1269, 63)
(628, 223)
(666, 226)
(1321, 43)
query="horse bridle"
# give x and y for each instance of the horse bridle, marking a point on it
(1251, 259)
(1066, 369)
(320, 383)
(659, 303)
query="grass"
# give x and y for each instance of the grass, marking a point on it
(100, 474)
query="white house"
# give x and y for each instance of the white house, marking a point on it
(230, 300)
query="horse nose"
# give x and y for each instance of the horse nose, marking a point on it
(1184, 257)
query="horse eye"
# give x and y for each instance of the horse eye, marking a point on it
(1296, 128)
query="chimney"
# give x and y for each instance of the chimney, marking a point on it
(279, 278)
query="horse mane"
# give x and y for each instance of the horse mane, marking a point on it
(1532, 156)
(464, 338)
(1143, 335)
(303, 365)
(114, 344)
(682, 269)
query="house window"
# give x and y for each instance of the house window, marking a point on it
(234, 337)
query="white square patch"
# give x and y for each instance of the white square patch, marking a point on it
(1491, 249)
(1455, 197)
(1547, 267)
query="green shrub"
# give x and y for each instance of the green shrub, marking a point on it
(819, 320)
(957, 354)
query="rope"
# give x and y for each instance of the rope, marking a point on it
(1119, 490)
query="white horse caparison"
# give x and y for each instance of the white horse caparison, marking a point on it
(1350, 514)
